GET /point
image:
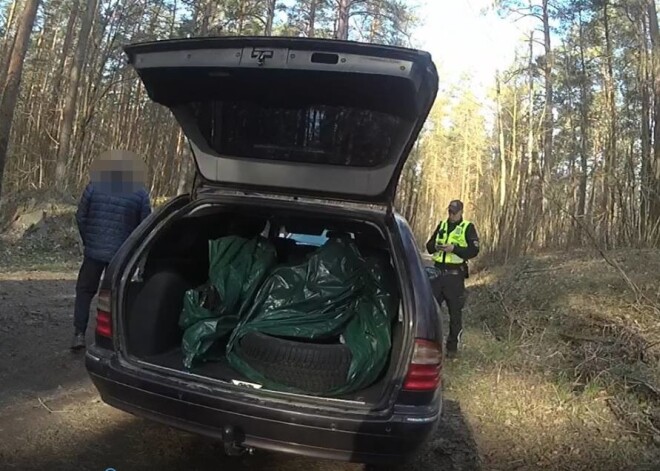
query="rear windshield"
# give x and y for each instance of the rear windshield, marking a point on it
(319, 134)
(315, 240)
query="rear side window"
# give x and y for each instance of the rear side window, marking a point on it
(331, 135)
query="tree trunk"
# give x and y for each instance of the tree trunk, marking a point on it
(500, 129)
(182, 155)
(514, 137)
(530, 197)
(646, 158)
(69, 111)
(13, 81)
(311, 25)
(343, 15)
(548, 125)
(270, 17)
(175, 8)
(7, 46)
(206, 18)
(241, 17)
(654, 210)
(610, 153)
(584, 136)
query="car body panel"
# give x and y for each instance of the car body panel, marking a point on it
(261, 425)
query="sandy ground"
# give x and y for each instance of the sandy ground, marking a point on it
(51, 417)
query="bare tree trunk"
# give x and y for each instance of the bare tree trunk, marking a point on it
(69, 112)
(646, 158)
(514, 138)
(13, 81)
(7, 46)
(270, 17)
(311, 25)
(584, 137)
(500, 129)
(608, 189)
(529, 186)
(206, 18)
(241, 16)
(548, 125)
(183, 167)
(654, 210)
(343, 15)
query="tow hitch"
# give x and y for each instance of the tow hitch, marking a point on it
(232, 441)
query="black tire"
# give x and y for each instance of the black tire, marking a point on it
(153, 318)
(311, 367)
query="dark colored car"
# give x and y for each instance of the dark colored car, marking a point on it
(306, 138)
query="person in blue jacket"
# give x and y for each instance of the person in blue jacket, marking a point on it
(112, 205)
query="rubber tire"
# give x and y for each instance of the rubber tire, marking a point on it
(314, 368)
(152, 325)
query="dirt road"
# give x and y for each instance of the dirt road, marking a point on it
(51, 417)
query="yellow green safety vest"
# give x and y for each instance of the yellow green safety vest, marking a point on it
(456, 237)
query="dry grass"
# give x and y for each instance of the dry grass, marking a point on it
(561, 363)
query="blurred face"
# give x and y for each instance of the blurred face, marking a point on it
(118, 171)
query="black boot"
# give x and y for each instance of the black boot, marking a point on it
(78, 342)
(453, 342)
(452, 349)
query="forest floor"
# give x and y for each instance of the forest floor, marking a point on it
(560, 369)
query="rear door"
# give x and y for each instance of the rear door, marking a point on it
(297, 116)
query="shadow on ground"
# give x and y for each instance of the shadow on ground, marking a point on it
(83, 433)
(36, 318)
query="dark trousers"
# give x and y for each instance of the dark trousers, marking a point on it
(87, 286)
(449, 287)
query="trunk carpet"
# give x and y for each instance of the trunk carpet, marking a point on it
(220, 369)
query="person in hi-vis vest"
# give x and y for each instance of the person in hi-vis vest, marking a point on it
(452, 244)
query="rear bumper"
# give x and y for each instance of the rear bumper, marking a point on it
(257, 424)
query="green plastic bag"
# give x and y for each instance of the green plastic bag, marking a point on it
(237, 267)
(335, 292)
(369, 333)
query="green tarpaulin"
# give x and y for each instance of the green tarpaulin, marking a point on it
(335, 294)
(237, 267)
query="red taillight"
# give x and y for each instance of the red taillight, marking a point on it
(425, 367)
(104, 315)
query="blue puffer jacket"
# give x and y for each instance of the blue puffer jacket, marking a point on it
(106, 219)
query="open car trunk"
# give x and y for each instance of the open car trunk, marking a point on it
(176, 263)
(317, 311)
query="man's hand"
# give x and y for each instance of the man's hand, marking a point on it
(447, 248)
